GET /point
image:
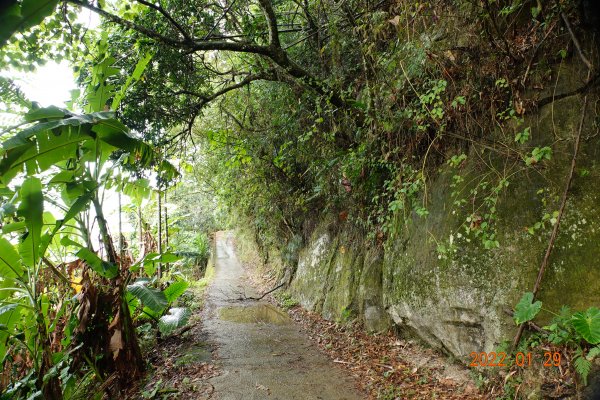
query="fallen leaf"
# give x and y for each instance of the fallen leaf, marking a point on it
(115, 321)
(116, 343)
(395, 21)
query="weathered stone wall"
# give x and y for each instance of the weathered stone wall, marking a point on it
(340, 278)
(462, 302)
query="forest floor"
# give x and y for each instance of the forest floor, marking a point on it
(240, 348)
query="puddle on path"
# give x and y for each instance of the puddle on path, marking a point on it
(265, 313)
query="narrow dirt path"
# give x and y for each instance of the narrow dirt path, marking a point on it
(262, 353)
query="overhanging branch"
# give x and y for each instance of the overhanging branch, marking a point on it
(128, 24)
(168, 16)
(267, 8)
(204, 100)
(272, 51)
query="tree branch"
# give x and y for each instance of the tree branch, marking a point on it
(56, 271)
(168, 16)
(240, 47)
(219, 20)
(273, 51)
(561, 210)
(128, 24)
(589, 84)
(262, 296)
(204, 100)
(575, 41)
(267, 7)
(267, 75)
(192, 46)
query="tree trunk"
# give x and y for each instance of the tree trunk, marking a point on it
(166, 224)
(51, 389)
(159, 232)
(166, 230)
(141, 230)
(122, 349)
(120, 230)
(106, 239)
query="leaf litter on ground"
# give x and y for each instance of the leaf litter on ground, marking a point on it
(180, 366)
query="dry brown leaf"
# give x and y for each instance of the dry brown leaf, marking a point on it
(115, 321)
(450, 55)
(84, 314)
(116, 343)
(395, 21)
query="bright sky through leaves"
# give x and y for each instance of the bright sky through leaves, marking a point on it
(49, 85)
(52, 83)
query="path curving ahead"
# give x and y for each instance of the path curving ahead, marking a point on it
(262, 353)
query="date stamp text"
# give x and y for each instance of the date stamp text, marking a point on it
(501, 359)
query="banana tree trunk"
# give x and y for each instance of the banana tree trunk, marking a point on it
(51, 389)
(122, 348)
(166, 224)
(141, 232)
(160, 249)
(167, 266)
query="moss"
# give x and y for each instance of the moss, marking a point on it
(310, 282)
(343, 280)
(461, 301)
(466, 293)
(267, 260)
(573, 277)
(194, 354)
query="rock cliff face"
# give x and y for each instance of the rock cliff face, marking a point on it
(461, 301)
(340, 279)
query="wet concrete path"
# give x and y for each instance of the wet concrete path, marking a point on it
(262, 353)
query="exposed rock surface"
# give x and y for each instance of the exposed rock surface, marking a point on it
(461, 302)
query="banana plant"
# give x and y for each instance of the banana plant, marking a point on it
(157, 304)
(64, 161)
(71, 155)
(19, 16)
(24, 302)
(154, 303)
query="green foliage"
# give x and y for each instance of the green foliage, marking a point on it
(286, 300)
(174, 319)
(526, 309)
(578, 332)
(546, 218)
(151, 260)
(137, 191)
(21, 16)
(523, 136)
(103, 268)
(588, 324)
(539, 154)
(174, 290)
(150, 297)
(583, 366)
(353, 116)
(13, 100)
(10, 261)
(67, 160)
(136, 75)
(156, 303)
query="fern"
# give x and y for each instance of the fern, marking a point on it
(593, 353)
(582, 366)
(11, 94)
(13, 105)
